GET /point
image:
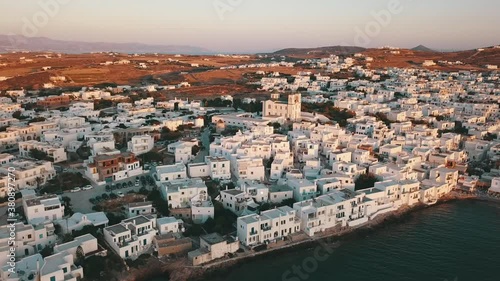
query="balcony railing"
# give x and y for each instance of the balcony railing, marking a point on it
(266, 228)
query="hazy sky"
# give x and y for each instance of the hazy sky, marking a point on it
(259, 25)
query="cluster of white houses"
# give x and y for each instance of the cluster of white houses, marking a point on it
(43, 213)
(407, 134)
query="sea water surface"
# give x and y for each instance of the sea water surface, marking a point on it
(453, 241)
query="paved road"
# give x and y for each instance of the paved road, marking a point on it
(205, 140)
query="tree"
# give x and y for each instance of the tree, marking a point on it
(98, 268)
(264, 207)
(47, 251)
(288, 202)
(152, 156)
(365, 181)
(398, 95)
(39, 155)
(167, 134)
(80, 258)
(275, 125)
(223, 222)
(329, 110)
(68, 211)
(152, 122)
(383, 117)
(88, 229)
(39, 181)
(17, 115)
(37, 119)
(237, 103)
(160, 205)
(194, 230)
(67, 238)
(269, 163)
(102, 104)
(440, 117)
(230, 131)
(114, 218)
(195, 149)
(83, 152)
(490, 137)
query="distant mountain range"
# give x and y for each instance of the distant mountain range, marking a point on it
(331, 50)
(422, 48)
(10, 43)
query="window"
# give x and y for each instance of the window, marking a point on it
(65, 269)
(52, 278)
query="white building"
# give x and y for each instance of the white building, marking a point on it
(217, 168)
(141, 208)
(248, 168)
(55, 151)
(132, 237)
(86, 245)
(234, 200)
(182, 150)
(30, 174)
(269, 226)
(179, 193)
(29, 239)
(337, 208)
(303, 189)
(213, 246)
(38, 209)
(169, 172)
(191, 195)
(78, 221)
(169, 225)
(287, 110)
(140, 144)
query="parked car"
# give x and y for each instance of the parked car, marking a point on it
(136, 183)
(120, 194)
(76, 189)
(88, 187)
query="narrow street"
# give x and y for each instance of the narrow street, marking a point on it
(205, 141)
